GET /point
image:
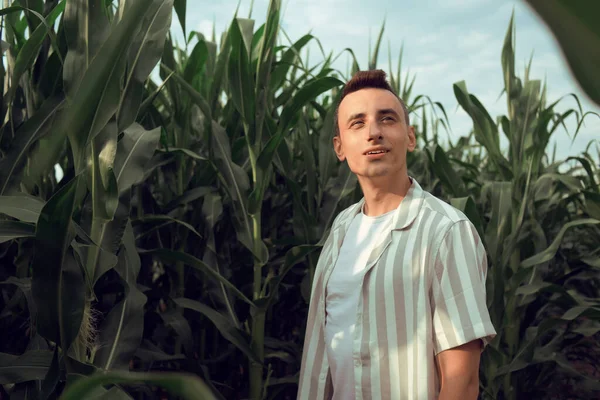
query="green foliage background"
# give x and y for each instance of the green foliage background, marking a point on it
(177, 252)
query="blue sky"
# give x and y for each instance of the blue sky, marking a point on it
(445, 41)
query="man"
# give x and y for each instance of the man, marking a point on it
(398, 304)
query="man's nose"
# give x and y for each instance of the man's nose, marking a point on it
(374, 130)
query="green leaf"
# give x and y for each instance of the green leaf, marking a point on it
(469, 208)
(121, 332)
(240, 78)
(236, 183)
(25, 285)
(31, 366)
(582, 311)
(97, 96)
(106, 261)
(24, 208)
(302, 97)
(189, 387)
(292, 257)
(592, 204)
(499, 226)
(14, 160)
(549, 253)
(445, 172)
(57, 280)
(196, 61)
(114, 393)
(373, 61)
(577, 32)
(186, 152)
(86, 28)
(287, 60)
(146, 51)
(187, 197)
(149, 352)
(102, 181)
(589, 170)
(176, 256)
(338, 188)
(180, 9)
(496, 231)
(223, 324)
(52, 376)
(134, 151)
(148, 218)
(486, 131)
(308, 92)
(327, 156)
(10, 230)
(27, 56)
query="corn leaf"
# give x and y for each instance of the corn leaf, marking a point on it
(578, 35)
(13, 162)
(134, 151)
(121, 332)
(24, 208)
(10, 230)
(223, 324)
(173, 256)
(30, 366)
(188, 387)
(549, 253)
(145, 52)
(57, 281)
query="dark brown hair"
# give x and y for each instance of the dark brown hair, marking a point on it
(375, 79)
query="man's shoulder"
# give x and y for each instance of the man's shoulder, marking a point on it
(448, 213)
(345, 213)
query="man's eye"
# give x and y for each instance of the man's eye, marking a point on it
(356, 123)
(387, 119)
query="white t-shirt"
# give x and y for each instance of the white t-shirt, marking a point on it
(343, 291)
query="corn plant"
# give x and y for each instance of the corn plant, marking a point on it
(540, 228)
(71, 98)
(186, 229)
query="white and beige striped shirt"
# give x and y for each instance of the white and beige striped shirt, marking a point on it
(423, 292)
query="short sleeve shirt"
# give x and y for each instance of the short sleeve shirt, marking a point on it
(423, 292)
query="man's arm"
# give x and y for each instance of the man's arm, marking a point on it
(458, 368)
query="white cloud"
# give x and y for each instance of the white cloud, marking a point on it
(473, 40)
(445, 41)
(462, 4)
(429, 38)
(205, 27)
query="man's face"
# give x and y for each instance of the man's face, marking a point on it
(374, 136)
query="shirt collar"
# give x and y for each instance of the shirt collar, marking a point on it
(405, 214)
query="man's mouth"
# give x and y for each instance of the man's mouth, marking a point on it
(377, 152)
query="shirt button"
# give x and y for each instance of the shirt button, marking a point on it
(323, 376)
(357, 363)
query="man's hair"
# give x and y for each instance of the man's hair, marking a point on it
(373, 79)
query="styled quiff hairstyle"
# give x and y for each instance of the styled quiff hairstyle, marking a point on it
(373, 79)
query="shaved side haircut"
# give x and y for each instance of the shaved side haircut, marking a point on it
(373, 79)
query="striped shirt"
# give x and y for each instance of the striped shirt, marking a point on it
(423, 292)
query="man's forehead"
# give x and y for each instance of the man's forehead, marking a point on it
(365, 100)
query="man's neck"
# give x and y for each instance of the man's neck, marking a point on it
(383, 197)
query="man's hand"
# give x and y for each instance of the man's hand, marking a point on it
(459, 371)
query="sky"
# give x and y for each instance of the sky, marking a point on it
(444, 41)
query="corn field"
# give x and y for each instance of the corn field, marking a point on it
(162, 208)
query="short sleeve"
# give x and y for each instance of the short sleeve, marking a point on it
(458, 296)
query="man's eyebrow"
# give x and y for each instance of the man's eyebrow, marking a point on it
(388, 111)
(356, 116)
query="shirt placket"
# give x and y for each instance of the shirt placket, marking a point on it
(374, 257)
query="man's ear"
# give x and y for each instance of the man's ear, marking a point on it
(337, 147)
(412, 139)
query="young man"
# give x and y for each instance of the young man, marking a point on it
(398, 304)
